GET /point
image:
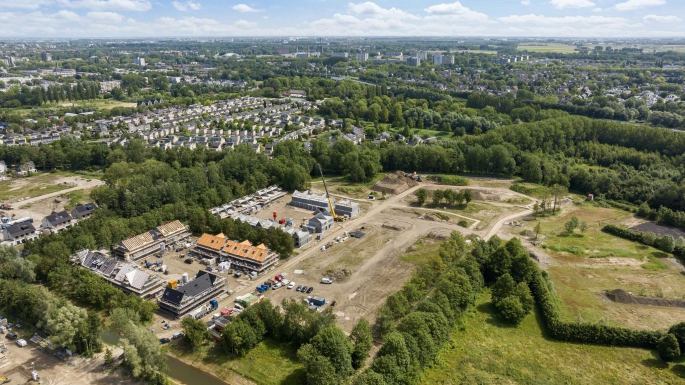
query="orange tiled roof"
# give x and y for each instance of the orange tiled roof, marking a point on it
(212, 241)
(246, 250)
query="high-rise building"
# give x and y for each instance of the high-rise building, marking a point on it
(440, 59)
(139, 61)
(362, 57)
(339, 54)
(46, 56)
(413, 61)
(422, 55)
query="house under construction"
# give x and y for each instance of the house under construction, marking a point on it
(241, 255)
(151, 242)
(125, 276)
(183, 299)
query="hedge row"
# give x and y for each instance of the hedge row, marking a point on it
(586, 333)
(622, 232)
(638, 236)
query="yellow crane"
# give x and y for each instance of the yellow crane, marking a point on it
(330, 204)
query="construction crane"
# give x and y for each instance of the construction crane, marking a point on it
(330, 204)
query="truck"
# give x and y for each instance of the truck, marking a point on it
(317, 301)
(247, 300)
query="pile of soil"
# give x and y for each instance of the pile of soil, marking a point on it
(429, 217)
(394, 183)
(622, 296)
(486, 195)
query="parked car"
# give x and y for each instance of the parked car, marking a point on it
(291, 285)
(164, 340)
(179, 249)
(121, 357)
(177, 335)
(311, 288)
(12, 335)
(304, 289)
(238, 275)
(299, 287)
(326, 280)
(285, 281)
(188, 261)
(21, 342)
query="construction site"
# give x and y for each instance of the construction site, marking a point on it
(361, 254)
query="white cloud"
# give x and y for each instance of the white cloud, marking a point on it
(454, 12)
(27, 4)
(105, 17)
(637, 4)
(661, 19)
(370, 9)
(561, 4)
(525, 2)
(101, 5)
(598, 9)
(533, 20)
(189, 5)
(245, 8)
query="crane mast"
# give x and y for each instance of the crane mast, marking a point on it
(328, 196)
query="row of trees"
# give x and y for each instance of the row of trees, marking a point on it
(449, 196)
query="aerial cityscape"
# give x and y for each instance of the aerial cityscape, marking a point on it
(324, 193)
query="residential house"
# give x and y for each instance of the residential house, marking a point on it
(57, 221)
(319, 223)
(83, 211)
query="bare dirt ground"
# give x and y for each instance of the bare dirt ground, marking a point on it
(21, 361)
(38, 207)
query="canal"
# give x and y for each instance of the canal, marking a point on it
(178, 370)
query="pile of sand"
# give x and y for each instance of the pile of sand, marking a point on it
(394, 183)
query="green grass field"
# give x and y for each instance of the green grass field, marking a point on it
(269, 363)
(591, 263)
(482, 350)
(552, 47)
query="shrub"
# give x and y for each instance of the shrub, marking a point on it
(463, 223)
(668, 348)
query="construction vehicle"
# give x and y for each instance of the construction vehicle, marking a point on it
(328, 196)
(4, 380)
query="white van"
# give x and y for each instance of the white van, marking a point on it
(326, 280)
(177, 335)
(21, 342)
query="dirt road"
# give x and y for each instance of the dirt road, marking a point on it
(39, 207)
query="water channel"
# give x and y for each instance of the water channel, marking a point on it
(178, 370)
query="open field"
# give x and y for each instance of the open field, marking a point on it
(587, 265)
(552, 47)
(97, 104)
(40, 195)
(482, 350)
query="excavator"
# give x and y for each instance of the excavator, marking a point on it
(337, 218)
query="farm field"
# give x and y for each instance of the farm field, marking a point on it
(482, 350)
(553, 47)
(586, 265)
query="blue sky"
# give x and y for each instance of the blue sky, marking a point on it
(222, 18)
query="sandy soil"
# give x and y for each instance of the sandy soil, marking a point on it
(41, 206)
(21, 361)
